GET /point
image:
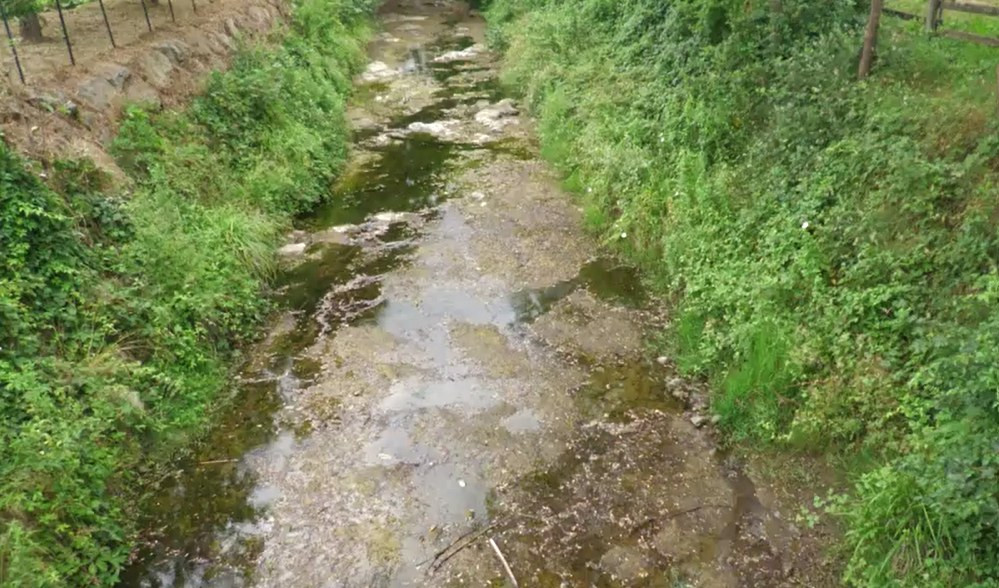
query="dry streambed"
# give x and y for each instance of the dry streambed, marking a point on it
(457, 392)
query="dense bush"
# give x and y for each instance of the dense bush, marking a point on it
(831, 245)
(120, 316)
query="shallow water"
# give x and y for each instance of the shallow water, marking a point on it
(454, 354)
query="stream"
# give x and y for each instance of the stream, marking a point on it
(458, 382)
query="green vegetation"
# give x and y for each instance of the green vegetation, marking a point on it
(121, 314)
(831, 245)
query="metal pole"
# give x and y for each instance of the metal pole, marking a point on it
(10, 39)
(172, 17)
(107, 24)
(65, 33)
(145, 11)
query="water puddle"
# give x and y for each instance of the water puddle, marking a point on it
(603, 277)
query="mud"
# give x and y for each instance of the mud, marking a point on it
(460, 377)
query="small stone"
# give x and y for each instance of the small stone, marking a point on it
(698, 420)
(378, 71)
(96, 93)
(231, 28)
(175, 50)
(115, 74)
(662, 360)
(715, 419)
(390, 217)
(292, 249)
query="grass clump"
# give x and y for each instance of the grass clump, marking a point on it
(121, 315)
(831, 245)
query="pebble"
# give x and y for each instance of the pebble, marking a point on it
(698, 420)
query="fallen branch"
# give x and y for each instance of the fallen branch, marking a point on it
(506, 565)
(652, 520)
(214, 461)
(439, 559)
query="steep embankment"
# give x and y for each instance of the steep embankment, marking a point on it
(73, 112)
(121, 308)
(831, 245)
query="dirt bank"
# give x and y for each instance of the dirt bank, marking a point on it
(72, 112)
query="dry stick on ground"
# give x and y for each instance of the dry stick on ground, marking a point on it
(870, 39)
(214, 461)
(439, 558)
(652, 520)
(506, 565)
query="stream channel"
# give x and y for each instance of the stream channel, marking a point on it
(458, 378)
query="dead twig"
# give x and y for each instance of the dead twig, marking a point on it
(215, 461)
(441, 557)
(653, 520)
(506, 565)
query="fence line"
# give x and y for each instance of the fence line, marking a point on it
(934, 18)
(22, 61)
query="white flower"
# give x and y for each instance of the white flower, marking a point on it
(624, 235)
(804, 225)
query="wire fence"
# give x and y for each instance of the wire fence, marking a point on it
(44, 38)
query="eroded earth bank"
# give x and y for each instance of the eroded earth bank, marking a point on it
(459, 378)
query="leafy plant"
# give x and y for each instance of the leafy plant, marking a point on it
(121, 315)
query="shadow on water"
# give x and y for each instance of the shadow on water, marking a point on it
(603, 277)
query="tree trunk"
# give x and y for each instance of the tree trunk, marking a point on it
(870, 39)
(31, 28)
(776, 9)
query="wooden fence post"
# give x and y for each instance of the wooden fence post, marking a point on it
(932, 15)
(10, 40)
(997, 90)
(870, 39)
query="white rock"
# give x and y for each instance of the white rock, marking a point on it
(464, 54)
(698, 420)
(292, 249)
(390, 217)
(376, 71)
(498, 115)
(442, 129)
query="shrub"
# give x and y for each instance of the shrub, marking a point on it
(121, 316)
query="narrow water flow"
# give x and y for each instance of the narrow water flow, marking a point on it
(457, 377)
